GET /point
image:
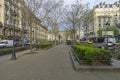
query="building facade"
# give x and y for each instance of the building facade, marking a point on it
(21, 22)
(51, 36)
(104, 14)
(40, 33)
(80, 34)
(9, 20)
(32, 26)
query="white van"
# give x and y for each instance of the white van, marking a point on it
(6, 43)
(110, 41)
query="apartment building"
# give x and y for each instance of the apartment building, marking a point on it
(40, 33)
(9, 20)
(80, 34)
(104, 14)
(15, 15)
(33, 27)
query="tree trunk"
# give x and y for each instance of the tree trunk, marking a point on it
(79, 32)
(22, 41)
(31, 39)
(55, 40)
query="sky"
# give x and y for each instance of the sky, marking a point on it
(91, 2)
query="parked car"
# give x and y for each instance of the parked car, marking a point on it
(6, 43)
(107, 43)
(28, 43)
(89, 41)
(18, 43)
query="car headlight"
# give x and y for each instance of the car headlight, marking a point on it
(109, 44)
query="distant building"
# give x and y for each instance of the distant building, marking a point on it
(67, 35)
(51, 36)
(80, 34)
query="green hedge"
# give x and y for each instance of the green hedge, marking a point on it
(90, 54)
(6, 51)
(43, 45)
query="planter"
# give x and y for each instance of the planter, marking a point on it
(78, 66)
(89, 55)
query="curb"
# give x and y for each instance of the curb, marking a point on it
(77, 66)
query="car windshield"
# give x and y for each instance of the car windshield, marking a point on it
(113, 40)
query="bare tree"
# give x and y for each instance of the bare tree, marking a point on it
(88, 19)
(73, 16)
(54, 9)
(35, 5)
(49, 12)
(29, 18)
(31, 11)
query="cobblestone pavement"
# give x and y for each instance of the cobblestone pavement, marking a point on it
(52, 64)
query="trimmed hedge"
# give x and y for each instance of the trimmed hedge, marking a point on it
(43, 45)
(6, 51)
(89, 54)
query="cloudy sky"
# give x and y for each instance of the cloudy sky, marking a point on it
(91, 2)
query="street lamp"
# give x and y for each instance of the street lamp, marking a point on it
(106, 33)
(0, 24)
(14, 14)
(33, 35)
(1, 30)
(59, 38)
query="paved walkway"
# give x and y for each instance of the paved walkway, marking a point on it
(52, 64)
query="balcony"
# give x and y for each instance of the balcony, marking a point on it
(17, 29)
(10, 27)
(6, 2)
(5, 25)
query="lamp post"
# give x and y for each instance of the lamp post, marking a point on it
(14, 14)
(33, 35)
(0, 30)
(59, 39)
(1, 26)
(106, 33)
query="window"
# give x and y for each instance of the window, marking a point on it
(99, 25)
(99, 20)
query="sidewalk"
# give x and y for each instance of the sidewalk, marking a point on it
(8, 57)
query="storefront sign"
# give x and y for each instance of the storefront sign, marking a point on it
(110, 33)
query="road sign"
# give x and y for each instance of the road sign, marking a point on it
(106, 33)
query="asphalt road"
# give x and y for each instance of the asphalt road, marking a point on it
(52, 64)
